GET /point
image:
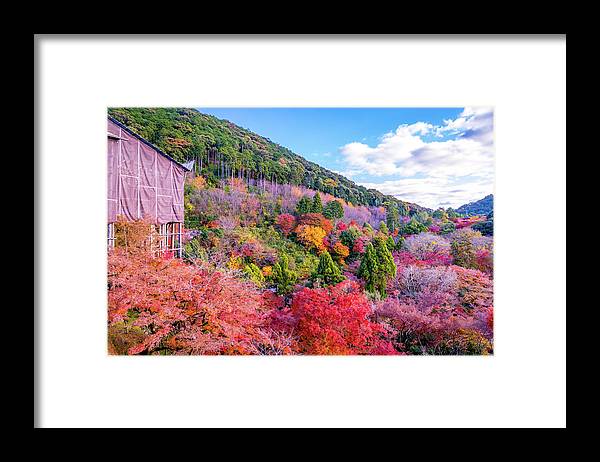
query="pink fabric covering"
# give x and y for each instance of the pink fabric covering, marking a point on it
(142, 182)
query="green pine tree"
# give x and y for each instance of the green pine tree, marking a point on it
(327, 272)
(283, 277)
(377, 266)
(368, 268)
(333, 210)
(392, 217)
(317, 205)
(390, 243)
(383, 228)
(385, 259)
(304, 205)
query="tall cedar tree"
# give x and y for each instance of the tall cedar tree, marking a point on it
(333, 210)
(392, 217)
(369, 269)
(383, 228)
(390, 243)
(304, 205)
(327, 272)
(317, 204)
(377, 266)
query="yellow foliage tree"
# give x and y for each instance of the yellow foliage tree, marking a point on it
(311, 237)
(198, 182)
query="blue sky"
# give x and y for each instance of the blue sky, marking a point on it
(431, 156)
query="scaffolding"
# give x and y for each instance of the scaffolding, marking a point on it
(144, 183)
(168, 239)
(111, 235)
(163, 239)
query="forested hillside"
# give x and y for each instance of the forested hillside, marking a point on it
(481, 207)
(222, 149)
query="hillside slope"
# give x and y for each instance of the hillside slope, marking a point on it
(480, 207)
(222, 149)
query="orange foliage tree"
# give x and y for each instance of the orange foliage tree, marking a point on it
(186, 309)
(198, 182)
(341, 252)
(316, 219)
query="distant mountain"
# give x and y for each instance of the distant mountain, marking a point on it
(222, 149)
(480, 207)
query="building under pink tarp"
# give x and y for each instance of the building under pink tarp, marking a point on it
(144, 182)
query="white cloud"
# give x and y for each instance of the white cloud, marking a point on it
(435, 192)
(472, 123)
(463, 147)
(393, 147)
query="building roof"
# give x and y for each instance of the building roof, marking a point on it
(145, 141)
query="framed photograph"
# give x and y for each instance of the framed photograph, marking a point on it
(323, 232)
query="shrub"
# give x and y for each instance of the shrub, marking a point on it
(134, 236)
(427, 288)
(485, 227)
(122, 336)
(429, 248)
(414, 331)
(475, 289)
(255, 274)
(283, 277)
(286, 223)
(465, 342)
(463, 250)
(334, 321)
(447, 227)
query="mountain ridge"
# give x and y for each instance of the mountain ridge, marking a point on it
(482, 206)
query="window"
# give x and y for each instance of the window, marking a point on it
(111, 235)
(167, 238)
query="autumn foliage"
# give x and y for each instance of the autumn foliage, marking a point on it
(286, 223)
(334, 321)
(311, 237)
(264, 272)
(185, 309)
